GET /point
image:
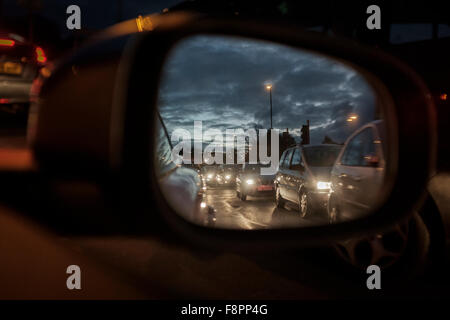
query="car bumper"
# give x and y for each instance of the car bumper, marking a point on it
(14, 92)
(256, 190)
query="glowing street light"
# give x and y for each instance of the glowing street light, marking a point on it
(269, 88)
(352, 117)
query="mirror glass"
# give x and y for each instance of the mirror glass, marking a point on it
(253, 134)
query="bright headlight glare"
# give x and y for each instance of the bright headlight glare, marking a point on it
(203, 204)
(227, 177)
(250, 181)
(210, 175)
(321, 185)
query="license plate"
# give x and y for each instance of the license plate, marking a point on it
(265, 188)
(10, 68)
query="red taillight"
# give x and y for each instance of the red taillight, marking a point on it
(40, 55)
(4, 100)
(7, 42)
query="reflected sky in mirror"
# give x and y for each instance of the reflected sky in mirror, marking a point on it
(221, 80)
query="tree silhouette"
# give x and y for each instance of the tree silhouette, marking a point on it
(286, 141)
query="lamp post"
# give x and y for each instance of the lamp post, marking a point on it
(269, 87)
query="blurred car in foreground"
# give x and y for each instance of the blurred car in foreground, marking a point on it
(358, 173)
(182, 182)
(250, 182)
(303, 177)
(20, 62)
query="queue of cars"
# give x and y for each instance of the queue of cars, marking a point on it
(340, 181)
(218, 175)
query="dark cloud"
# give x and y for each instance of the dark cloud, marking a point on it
(220, 80)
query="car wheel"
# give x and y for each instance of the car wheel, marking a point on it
(279, 199)
(401, 250)
(304, 205)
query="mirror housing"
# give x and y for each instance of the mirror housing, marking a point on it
(122, 152)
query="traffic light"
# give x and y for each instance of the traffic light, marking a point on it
(305, 133)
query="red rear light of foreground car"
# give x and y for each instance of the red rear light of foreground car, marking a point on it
(40, 55)
(7, 43)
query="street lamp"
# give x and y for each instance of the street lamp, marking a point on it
(269, 88)
(352, 117)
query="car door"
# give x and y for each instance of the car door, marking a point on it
(296, 171)
(370, 173)
(284, 174)
(354, 176)
(279, 175)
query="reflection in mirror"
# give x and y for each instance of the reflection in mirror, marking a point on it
(262, 135)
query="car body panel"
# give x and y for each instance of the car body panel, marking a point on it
(356, 186)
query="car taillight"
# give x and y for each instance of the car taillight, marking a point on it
(7, 42)
(40, 55)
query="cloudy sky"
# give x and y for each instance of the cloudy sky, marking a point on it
(221, 81)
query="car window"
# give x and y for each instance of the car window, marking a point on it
(321, 156)
(287, 159)
(283, 156)
(296, 158)
(358, 147)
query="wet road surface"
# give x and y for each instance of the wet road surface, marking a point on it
(255, 212)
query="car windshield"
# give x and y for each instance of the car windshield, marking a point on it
(321, 156)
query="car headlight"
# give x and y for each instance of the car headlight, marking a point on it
(203, 204)
(321, 185)
(250, 181)
(210, 176)
(227, 177)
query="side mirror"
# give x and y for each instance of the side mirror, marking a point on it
(214, 59)
(299, 56)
